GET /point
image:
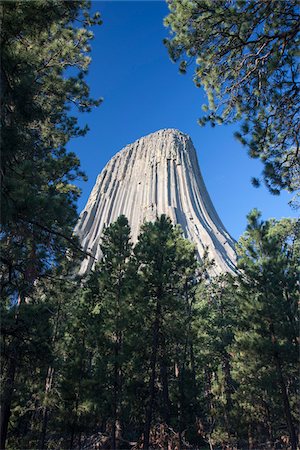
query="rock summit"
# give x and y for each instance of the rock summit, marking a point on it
(157, 174)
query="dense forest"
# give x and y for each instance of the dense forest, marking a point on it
(148, 350)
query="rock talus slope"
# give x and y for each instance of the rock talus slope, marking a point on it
(157, 174)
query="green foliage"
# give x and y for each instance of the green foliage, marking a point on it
(149, 338)
(165, 264)
(44, 58)
(245, 55)
(215, 322)
(246, 341)
(268, 324)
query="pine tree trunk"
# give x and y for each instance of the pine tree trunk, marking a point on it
(193, 366)
(208, 394)
(48, 386)
(8, 388)
(155, 343)
(284, 395)
(181, 398)
(115, 396)
(116, 428)
(118, 423)
(6, 400)
(72, 438)
(44, 427)
(250, 438)
(78, 394)
(228, 390)
(286, 404)
(291, 317)
(268, 420)
(49, 380)
(74, 424)
(189, 343)
(165, 384)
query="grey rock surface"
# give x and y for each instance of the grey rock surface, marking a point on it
(157, 174)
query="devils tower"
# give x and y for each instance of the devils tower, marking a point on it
(157, 174)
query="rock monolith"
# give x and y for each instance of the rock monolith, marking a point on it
(157, 174)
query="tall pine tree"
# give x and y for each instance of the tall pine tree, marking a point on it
(39, 42)
(163, 262)
(266, 339)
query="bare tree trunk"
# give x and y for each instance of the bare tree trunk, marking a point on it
(228, 391)
(8, 389)
(286, 404)
(180, 376)
(250, 437)
(48, 386)
(284, 394)
(6, 400)
(165, 383)
(49, 380)
(115, 395)
(155, 344)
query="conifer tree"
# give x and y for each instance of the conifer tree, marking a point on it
(266, 339)
(39, 42)
(114, 282)
(162, 264)
(215, 324)
(247, 340)
(244, 54)
(97, 343)
(25, 343)
(32, 340)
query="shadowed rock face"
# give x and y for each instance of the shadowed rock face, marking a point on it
(157, 174)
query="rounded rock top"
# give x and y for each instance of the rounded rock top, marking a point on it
(157, 174)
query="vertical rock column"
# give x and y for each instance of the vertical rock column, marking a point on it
(157, 174)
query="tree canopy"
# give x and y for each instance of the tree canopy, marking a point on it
(44, 59)
(245, 55)
(147, 352)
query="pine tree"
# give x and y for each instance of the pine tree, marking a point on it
(247, 340)
(162, 264)
(96, 368)
(115, 286)
(244, 54)
(266, 339)
(39, 42)
(215, 324)
(30, 328)
(32, 336)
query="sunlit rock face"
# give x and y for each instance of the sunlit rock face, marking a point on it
(157, 174)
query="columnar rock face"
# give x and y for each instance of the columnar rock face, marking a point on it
(157, 174)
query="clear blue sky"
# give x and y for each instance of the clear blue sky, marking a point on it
(144, 92)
